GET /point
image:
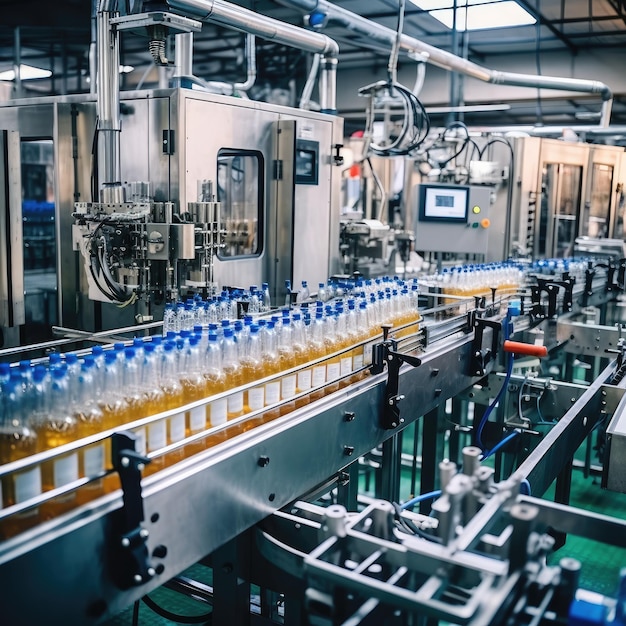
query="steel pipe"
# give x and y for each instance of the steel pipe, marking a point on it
(379, 33)
(250, 64)
(247, 21)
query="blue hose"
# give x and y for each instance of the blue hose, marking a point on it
(431, 495)
(501, 444)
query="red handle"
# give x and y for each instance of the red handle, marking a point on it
(517, 347)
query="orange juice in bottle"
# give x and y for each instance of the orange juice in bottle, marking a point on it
(215, 382)
(252, 370)
(89, 418)
(58, 427)
(301, 352)
(317, 350)
(287, 361)
(332, 344)
(232, 373)
(271, 366)
(18, 440)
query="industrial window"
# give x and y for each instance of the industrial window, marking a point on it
(240, 191)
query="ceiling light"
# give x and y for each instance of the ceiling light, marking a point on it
(27, 72)
(479, 14)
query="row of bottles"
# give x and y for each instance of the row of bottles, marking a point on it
(296, 357)
(477, 280)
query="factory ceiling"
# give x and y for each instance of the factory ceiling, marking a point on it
(55, 36)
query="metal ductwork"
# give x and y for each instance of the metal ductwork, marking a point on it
(381, 34)
(247, 21)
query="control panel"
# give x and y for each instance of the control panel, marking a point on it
(452, 218)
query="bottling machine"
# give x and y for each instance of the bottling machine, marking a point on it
(162, 195)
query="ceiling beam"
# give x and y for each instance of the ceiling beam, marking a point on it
(548, 24)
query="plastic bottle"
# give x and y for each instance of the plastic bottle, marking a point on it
(317, 350)
(287, 360)
(288, 294)
(267, 301)
(18, 440)
(301, 350)
(271, 366)
(331, 345)
(217, 410)
(232, 373)
(321, 293)
(304, 294)
(58, 428)
(252, 369)
(89, 418)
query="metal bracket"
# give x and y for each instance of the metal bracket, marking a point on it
(482, 356)
(386, 352)
(551, 288)
(131, 565)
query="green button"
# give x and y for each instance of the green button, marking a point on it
(475, 225)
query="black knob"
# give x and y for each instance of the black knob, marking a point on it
(263, 461)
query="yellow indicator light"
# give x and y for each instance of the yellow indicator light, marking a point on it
(476, 210)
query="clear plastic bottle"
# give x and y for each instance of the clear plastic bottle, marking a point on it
(217, 410)
(322, 296)
(193, 383)
(18, 440)
(271, 366)
(304, 293)
(59, 427)
(252, 369)
(317, 350)
(287, 360)
(301, 354)
(267, 301)
(331, 345)
(288, 294)
(232, 373)
(89, 418)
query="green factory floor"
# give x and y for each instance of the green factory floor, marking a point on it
(601, 563)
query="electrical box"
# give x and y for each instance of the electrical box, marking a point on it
(452, 218)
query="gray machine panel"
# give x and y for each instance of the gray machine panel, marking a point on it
(461, 227)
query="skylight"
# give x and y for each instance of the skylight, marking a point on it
(480, 14)
(27, 72)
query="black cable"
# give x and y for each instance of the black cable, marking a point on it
(206, 618)
(94, 164)
(410, 528)
(135, 621)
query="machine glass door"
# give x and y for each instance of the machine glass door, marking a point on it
(39, 239)
(560, 199)
(599, 210)
(240, 191)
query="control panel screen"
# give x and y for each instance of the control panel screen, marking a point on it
(443, 203)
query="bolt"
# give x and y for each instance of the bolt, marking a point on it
(125, 542)
(141, 466)
(572, 399)
(348, 450)
(263, 461)
(137, 578)
(349, 415)
(143, 533)
(393, 424)
(125, 461)
(151, 572)
(584, 421)
(435, 372)
(390, 401)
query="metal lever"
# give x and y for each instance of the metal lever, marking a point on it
(386, 352)
(131, 565)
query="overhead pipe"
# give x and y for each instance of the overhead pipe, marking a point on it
(247, 21)
(250, 65)
(379, 33)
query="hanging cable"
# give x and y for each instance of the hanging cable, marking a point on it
(500, 444)
(414, 125)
